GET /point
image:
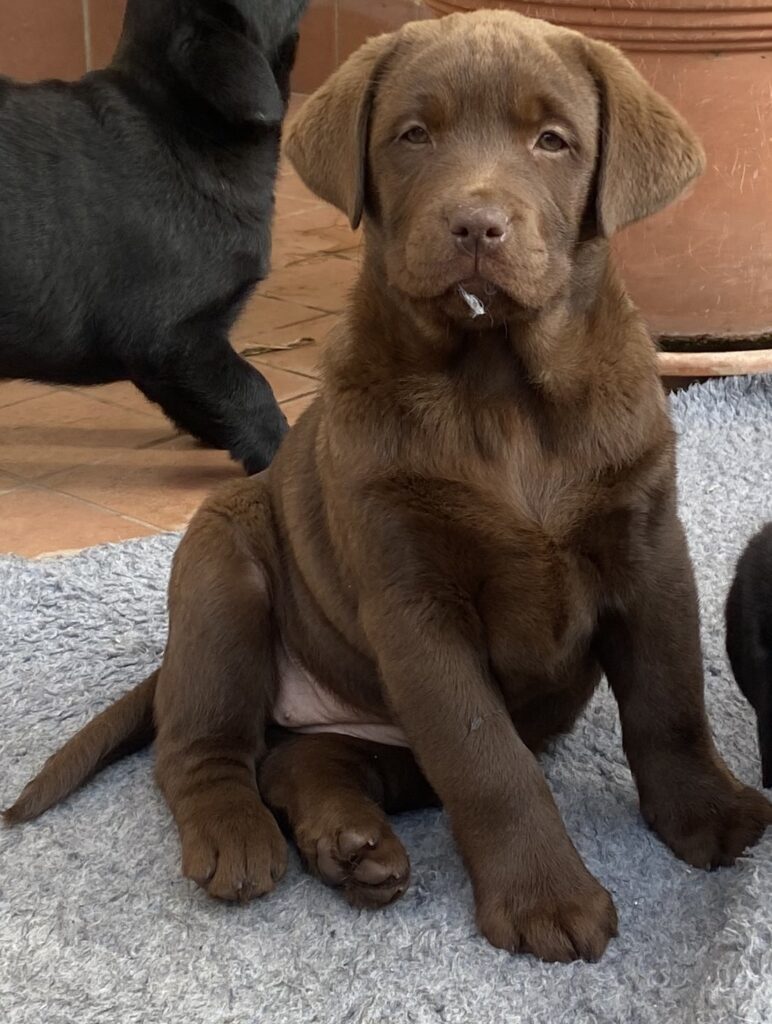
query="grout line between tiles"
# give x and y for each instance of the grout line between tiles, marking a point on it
(40, 481)
(318, 314)
(84, 390)
(30, 398)
(266, 361)
(296, 398)
(317, 309)
(91, 504)
(166, 440)
(116, 512)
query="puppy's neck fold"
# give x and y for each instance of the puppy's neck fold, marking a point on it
(577, 382)
(557, 352)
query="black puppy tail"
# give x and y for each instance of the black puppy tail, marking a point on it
(122, 728)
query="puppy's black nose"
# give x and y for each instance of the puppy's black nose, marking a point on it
(478, 228)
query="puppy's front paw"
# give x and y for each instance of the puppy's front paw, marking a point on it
(713, 828)
(559, 917)
(235, 852)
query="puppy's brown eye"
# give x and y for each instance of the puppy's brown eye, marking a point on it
(416, 136)
(551, 142)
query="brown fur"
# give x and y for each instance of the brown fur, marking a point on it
(474, 519)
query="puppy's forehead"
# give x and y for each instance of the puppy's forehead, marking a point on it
(490, 63)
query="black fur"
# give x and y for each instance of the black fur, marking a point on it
(749, 636)
(135, 214)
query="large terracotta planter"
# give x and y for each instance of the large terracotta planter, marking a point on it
(701, 270)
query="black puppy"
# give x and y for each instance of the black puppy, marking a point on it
(749, 636)
(135, 214)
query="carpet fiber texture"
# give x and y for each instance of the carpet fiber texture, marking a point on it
(96, 924)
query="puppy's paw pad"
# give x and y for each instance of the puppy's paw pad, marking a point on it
(370, 865)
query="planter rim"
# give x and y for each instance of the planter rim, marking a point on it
(691, 25)
(714, 364)
(735, 8)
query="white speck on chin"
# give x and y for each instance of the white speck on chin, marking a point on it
(472, 301)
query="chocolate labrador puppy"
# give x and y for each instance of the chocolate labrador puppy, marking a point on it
(135, 214)
(475, 519)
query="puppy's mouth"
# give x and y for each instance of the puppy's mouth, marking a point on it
(476, 300)
(474, 294)
(477, 293)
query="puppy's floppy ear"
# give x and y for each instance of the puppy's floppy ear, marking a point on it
(327, 140)
(224, 67)
(647, 153)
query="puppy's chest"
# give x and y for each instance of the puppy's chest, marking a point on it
(552, 496)
(555, 550)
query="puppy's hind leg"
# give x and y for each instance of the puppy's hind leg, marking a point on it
(333, 792)
(214, 691)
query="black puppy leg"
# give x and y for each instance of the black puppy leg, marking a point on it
(752, 666)
(222, 400)
(765, 736)
(749, 636)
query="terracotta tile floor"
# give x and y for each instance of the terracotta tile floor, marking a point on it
(83, 466)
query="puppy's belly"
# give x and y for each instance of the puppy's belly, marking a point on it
(303, 705)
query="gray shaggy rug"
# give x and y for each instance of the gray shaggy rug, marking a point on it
(96, 924)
